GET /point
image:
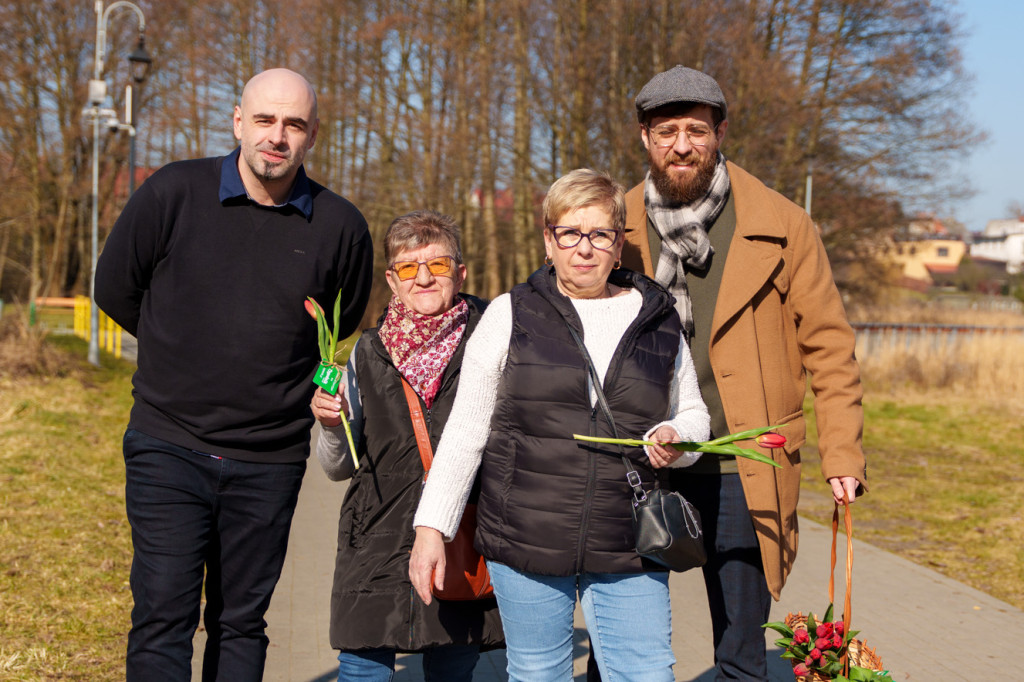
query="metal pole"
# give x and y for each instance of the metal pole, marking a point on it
(129, 113)
(807, 191)
(94, 317)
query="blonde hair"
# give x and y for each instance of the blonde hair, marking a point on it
(585, 187)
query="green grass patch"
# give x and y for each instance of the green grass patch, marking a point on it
(65, 547)
(946, 479)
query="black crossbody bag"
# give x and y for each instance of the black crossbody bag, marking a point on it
(666, 527)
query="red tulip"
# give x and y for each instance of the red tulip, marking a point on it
(839, 627)
(801, 636)
(801, 669)
(824, 630)
(822, 643)
(814, 655)
(771, 440)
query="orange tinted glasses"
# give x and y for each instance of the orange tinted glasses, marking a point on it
(408, 269)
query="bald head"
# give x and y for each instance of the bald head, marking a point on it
(276, 124)
(285, 82)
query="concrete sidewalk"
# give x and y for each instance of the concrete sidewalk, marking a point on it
(923, 625)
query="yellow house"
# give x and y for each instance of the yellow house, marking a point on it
(925, 250)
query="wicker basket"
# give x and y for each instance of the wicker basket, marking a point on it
(859, 654)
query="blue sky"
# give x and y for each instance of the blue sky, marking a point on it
(993, 54)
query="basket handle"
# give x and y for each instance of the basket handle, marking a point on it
(848, 522)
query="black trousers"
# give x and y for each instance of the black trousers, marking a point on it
(192, 513)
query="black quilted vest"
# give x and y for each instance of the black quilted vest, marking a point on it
(550, 504)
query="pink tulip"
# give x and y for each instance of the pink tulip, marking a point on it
(310, 310)
(771, 440)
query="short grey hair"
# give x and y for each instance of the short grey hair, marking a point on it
(422, 228)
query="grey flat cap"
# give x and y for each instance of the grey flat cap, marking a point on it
(677, 85)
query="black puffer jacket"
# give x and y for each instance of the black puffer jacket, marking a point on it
(550, 504)
(372, 602)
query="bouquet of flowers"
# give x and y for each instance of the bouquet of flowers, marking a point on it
(827, 650)
(328, 374)
(726, 445)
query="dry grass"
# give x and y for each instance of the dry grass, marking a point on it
(927, 313)
(986, 366)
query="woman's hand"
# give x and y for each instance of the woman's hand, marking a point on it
(660, 455)
(427, 561)
(841, 485)
(327, 408)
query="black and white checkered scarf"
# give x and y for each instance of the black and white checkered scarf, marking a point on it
(684, 236)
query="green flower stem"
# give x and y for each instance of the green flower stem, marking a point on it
(348, 436)
(720, 446)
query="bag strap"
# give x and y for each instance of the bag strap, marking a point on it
(419, 427)
(632, 477)
(848, 523)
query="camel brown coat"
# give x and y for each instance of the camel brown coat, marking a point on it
(778, 317)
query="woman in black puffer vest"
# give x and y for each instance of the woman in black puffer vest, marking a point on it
(421, 339)
(554, 514)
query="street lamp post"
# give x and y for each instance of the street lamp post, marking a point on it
(140, 61)
(98, 114)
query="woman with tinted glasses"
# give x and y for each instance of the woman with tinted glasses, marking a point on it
(554, 514)
(419, 340)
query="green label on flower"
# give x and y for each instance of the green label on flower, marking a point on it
(328, 377)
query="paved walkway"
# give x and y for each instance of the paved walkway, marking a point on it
(923, 625)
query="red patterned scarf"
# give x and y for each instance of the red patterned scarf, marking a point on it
(421, 346)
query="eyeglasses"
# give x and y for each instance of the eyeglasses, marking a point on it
(666, 136)
(408, 269)
(568, 237)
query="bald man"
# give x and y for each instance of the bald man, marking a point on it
(209, 265)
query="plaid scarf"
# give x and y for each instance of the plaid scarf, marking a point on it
(421, 346)
(684, 236)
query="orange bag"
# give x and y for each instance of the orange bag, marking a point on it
(465, 574)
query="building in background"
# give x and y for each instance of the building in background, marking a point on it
(1001, 242)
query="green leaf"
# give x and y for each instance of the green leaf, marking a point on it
(780, 628)
(337, 322)
(688, 446)
(743, 435)
(828, 614)
(320, 335)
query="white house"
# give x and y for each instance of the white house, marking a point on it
(1002, 241)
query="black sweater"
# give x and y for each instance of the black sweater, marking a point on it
(214, 292)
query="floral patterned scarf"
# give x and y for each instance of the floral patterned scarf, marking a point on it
(421, 346)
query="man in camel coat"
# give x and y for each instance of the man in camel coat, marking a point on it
(756, 293)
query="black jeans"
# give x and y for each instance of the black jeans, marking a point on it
(189, 512)
(733, 576)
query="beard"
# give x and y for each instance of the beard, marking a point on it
(682, 190)
(265, 170)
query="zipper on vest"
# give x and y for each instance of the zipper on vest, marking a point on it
(588, 497)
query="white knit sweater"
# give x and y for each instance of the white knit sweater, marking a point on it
(461, 448)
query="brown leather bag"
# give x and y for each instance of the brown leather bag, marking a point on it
(465, 573)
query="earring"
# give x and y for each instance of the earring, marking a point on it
(548, 261)
(618, 264)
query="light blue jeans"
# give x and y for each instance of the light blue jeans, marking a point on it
(627, 615)
(449, 663)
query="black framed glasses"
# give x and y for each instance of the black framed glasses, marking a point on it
(567, 237)
(666, 135)
(408, 269)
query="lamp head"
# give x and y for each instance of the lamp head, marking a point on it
(140, 61)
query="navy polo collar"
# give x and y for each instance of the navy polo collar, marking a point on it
(231, 186)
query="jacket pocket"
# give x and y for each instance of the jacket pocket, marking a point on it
(794, 428)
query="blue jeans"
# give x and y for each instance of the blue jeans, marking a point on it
(189, 512)
(451, 663)
(737, 592)
(627, 615)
